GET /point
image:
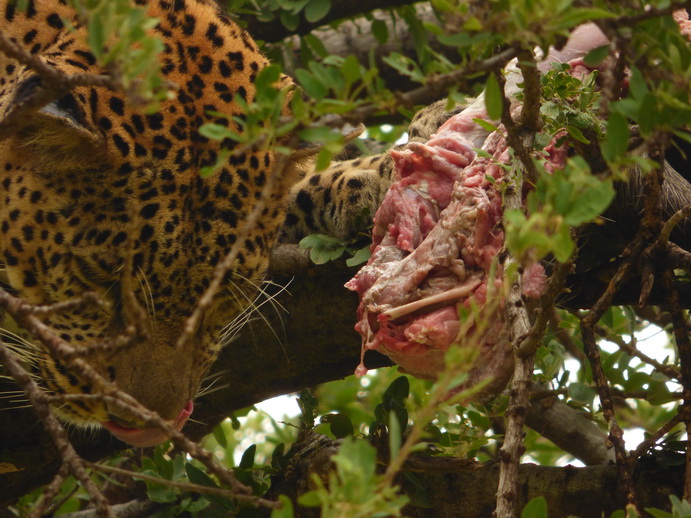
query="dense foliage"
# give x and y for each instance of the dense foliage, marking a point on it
(382, 419)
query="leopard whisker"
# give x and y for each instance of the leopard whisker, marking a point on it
(21, 346)
(148, 296)
(254, 308)
(210, 389)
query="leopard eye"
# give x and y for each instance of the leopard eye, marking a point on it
(57, 136)
(95, 276)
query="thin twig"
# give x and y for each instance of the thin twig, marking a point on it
(630, 256)
(162, 481)
(681, 337)
(630, 348)
(645, 446)
(50, 492)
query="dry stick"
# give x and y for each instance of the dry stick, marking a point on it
(57, 432)
(613, 76)
(678, 257)
(630, 348)
(565, 339)
(672, 222)
(525, 338)
(653, 189)
(681, 336)
(643, 447)
(162, 481)
(588, 323)
(516, 315)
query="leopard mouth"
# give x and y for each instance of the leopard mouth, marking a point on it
(145, 437)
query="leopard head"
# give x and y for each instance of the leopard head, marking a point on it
(93, 187)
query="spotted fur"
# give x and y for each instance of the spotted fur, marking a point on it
(75, 174)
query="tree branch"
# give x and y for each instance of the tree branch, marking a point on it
(274, 30)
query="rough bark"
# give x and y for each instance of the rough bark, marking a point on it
(460, 488)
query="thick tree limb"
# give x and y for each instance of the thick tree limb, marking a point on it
(570, 429)
(460, 488)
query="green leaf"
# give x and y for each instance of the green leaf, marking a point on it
(361, 256)
(220, 436)
(578, 16)
(582, 393)
(197, 476)
(486, 125)
(536, 508)
(617, 139)
(648, 114)
(596, 56)
(316, 45)
(351, 69)
(405, 66)
(494, 98)
(277, 460)
(214, 131)
(162, 495)
(320, 134)
(323, 162)
(394, 435)
(592, 202)
(247, 461)
(399, 389)
(196, 506)
(340, 424)
(380, 31)
(286, 509)
(309, 499)
(317, 9)
(289, 20)
(563, 245)
(577, 134)
(268, 77)
(637, 84)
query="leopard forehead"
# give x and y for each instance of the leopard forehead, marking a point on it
(90, 174)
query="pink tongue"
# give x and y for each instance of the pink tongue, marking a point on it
(148, 436)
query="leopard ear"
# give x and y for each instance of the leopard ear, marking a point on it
(57, 133)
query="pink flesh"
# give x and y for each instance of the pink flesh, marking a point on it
(434, 240)
(435, 236)
(143, 438)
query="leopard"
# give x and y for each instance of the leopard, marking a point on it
(96, 189)
(341, 200)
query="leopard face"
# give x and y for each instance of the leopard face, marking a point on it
(89, 175)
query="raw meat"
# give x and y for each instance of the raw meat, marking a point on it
(433, 280)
